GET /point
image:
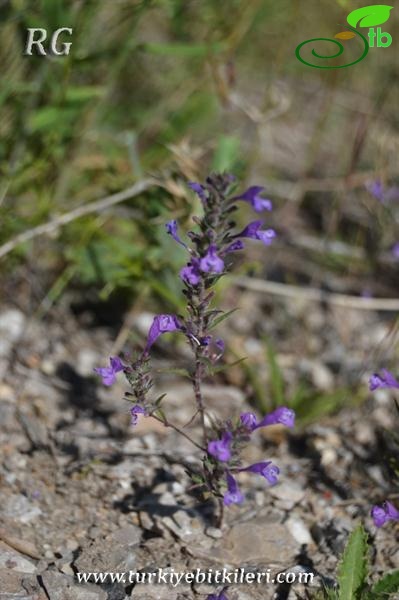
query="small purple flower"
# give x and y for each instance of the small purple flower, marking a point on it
(211, 262)
(220, 449)
(267, 469)
(171, 229)
(249, 420)
(253, 231)
(233, 494)
(108, 374)
(382, 194)
(376, 189)
(135, 411)
(191, 273)
(383, 380)
(221, 596)
(233, 247)
(253, 197)
(282, 415)
(384, 513)
(220, 345)
(161, 324)
(395, 250)
(198, 189)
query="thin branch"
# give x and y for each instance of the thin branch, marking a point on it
(316, 295)
(86, 209)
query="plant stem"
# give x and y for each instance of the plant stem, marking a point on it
(178, 430)
(198, 364)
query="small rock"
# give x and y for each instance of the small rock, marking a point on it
(20, 508)
(288, 494)
(214, 533)
(62, 587)
(12, 560)
(299, 530)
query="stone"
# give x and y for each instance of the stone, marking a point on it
(62, 587)
(11, 327)
(14, 561)
(299, 530)
(115, 552)
(256, 542)
(287, 493)
(19, 508)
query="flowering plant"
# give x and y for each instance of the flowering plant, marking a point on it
(208, 258)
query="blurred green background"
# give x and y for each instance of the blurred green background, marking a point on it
(172, 89)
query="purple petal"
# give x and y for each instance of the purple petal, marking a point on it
(190, 274)
(383, 380)
(220, 449)
(253, 197)
(198, 189)
(282, 414)
(267, 469)
(233, 494)
(384, 513)
(266, 236)
(171, 229)
(161, 324)
(211, 262)
(234, 246)
(107, 375)
(248, 420)
(395, 250)
(379, 516)
(135, 411)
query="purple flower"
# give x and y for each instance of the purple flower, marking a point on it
(198, 189)
(108, 374)
(221, 596)
(253, 197)
(135, 411)
(267, 469)
(220, 449)
(282, 415)
(395, 250)
(378, 190)
(233, 494)
(220, 345)
(161, 324)
(171, 229)
(234, 246)
(249, 420)
(191, 273)
(384, 380)
(253, 231)
(211, 262)
(384, 513)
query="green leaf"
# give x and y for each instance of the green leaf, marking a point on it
(385, 586)
(226, 366)
(276, 376)
(222, 318)
(159, 400)
(352, 572)
(369, 16)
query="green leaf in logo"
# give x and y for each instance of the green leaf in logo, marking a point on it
(369, 16)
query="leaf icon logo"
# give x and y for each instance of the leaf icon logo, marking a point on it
(369, 16)
(345, 35)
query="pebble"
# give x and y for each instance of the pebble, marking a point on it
(298, 530)
(14, 561)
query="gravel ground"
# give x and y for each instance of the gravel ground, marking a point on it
(80, 491)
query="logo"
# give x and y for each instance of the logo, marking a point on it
(38, 43)
(368, 16)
